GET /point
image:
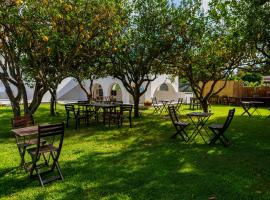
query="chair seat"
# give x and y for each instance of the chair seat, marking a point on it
(181, 123)
(216, 126)
(30, 142)
(43, 149)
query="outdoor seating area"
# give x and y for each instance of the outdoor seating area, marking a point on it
(45, 159)
(135, 100)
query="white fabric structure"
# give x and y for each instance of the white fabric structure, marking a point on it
(69, 90)
(163, 88)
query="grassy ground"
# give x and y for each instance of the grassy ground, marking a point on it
(144, 163)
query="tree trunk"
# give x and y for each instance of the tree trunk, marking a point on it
(204, 104)
(15, 101)
(25, 99)
(53, 102)
(136, 99)
(39, 92)
(90, 94)
(16, 108)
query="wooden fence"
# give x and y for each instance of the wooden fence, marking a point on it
(237, 89)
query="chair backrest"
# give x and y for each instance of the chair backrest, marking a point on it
(21, 122)
(126, 108)
(179, 102)
(172, 113)
(83, 102)
(229, 119)
(51, 131)
(70, 109)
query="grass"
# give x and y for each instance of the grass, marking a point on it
(144, 163)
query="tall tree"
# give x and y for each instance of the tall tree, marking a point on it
(15, 37)
(207, 49)
(100, 27)
(138, 53)
(255, 27)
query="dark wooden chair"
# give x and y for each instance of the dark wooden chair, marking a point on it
(179, 125)
(194, 103)
(219, 130)
(125, 112)
(75, 115)
(224, 100)
(23, 121)
(157, 106)
(24, 143)
(54, 135)
(214, 100)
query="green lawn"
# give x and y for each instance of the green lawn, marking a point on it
(144, 163)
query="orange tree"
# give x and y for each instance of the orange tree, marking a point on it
(138, 53)
(99, 25)
(15, 38)
(207, 49)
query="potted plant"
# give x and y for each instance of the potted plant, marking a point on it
(147, 103)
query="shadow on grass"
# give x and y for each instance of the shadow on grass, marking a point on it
(144, 163)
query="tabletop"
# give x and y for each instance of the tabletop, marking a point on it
(252, 102)
(26, 131)
(164, 101)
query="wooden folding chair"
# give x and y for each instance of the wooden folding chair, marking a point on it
(157, 106)
(177, 104)
(120, 114)
(194, 103)
(53, 133)
(179, 125)
(219, 130)
(77, 116)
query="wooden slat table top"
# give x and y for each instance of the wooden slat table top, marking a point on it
(27, 131)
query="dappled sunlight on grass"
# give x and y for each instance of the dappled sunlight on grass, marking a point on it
(143, 162)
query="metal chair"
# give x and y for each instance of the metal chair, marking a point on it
(52, 150)
(219, 130)
(179, 125)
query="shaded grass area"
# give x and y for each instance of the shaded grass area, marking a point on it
(144, 163)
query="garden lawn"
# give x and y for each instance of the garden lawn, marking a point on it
(143, 162)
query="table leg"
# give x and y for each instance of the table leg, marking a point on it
(164, 106)
(246, 110)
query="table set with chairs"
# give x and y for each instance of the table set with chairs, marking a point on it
(41, 144)
(109, 111)
(161, 106)
(198, 122)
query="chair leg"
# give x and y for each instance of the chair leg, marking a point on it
(67, 124)
(76, 125)
(57, 166)
(130, 124)
(39, 178)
